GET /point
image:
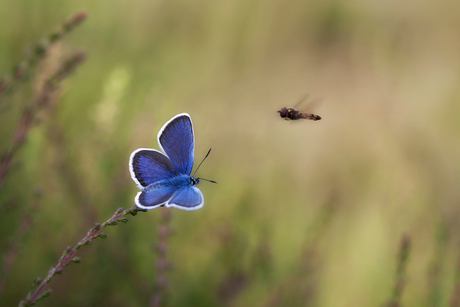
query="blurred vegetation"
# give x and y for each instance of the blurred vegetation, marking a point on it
(305, 213)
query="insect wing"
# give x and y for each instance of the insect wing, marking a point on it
(310, 105)
(304, 98)
(176, 140)
(154, 197)
(148, 166)
(187, 198)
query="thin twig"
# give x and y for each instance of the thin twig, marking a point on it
(68, 256)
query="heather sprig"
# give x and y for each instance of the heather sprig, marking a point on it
(36, 52)
(50, 86)
(38, 291)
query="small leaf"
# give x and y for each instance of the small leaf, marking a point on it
(36, 283)
(88, 242)
(45, 293)
(55, 36)
(67, 250)
(103, 235)
(40, 48)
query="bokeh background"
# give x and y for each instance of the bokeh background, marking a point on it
(304, 213)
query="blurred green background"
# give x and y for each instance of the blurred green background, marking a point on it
(305, 213)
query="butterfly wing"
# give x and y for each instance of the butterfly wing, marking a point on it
(150, 198)
(187, 198)
(148, 166)
(176, 140)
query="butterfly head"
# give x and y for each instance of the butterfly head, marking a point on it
(194, 181)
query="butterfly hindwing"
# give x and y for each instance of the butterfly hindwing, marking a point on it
(188, 198)
(176, 140)
(148, 166)
(151, 198)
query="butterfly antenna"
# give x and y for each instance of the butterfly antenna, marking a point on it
(208, 180)
(200, 165)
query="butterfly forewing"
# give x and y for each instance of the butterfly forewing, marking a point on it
(176, 140)
(148, 166)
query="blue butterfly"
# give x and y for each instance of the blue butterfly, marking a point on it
(164, 178)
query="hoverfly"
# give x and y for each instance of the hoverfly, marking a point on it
(291, 113)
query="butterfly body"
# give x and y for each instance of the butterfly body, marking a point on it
(164, 177)
(294, 114)
(179, 181)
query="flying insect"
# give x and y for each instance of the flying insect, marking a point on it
(291, 113)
